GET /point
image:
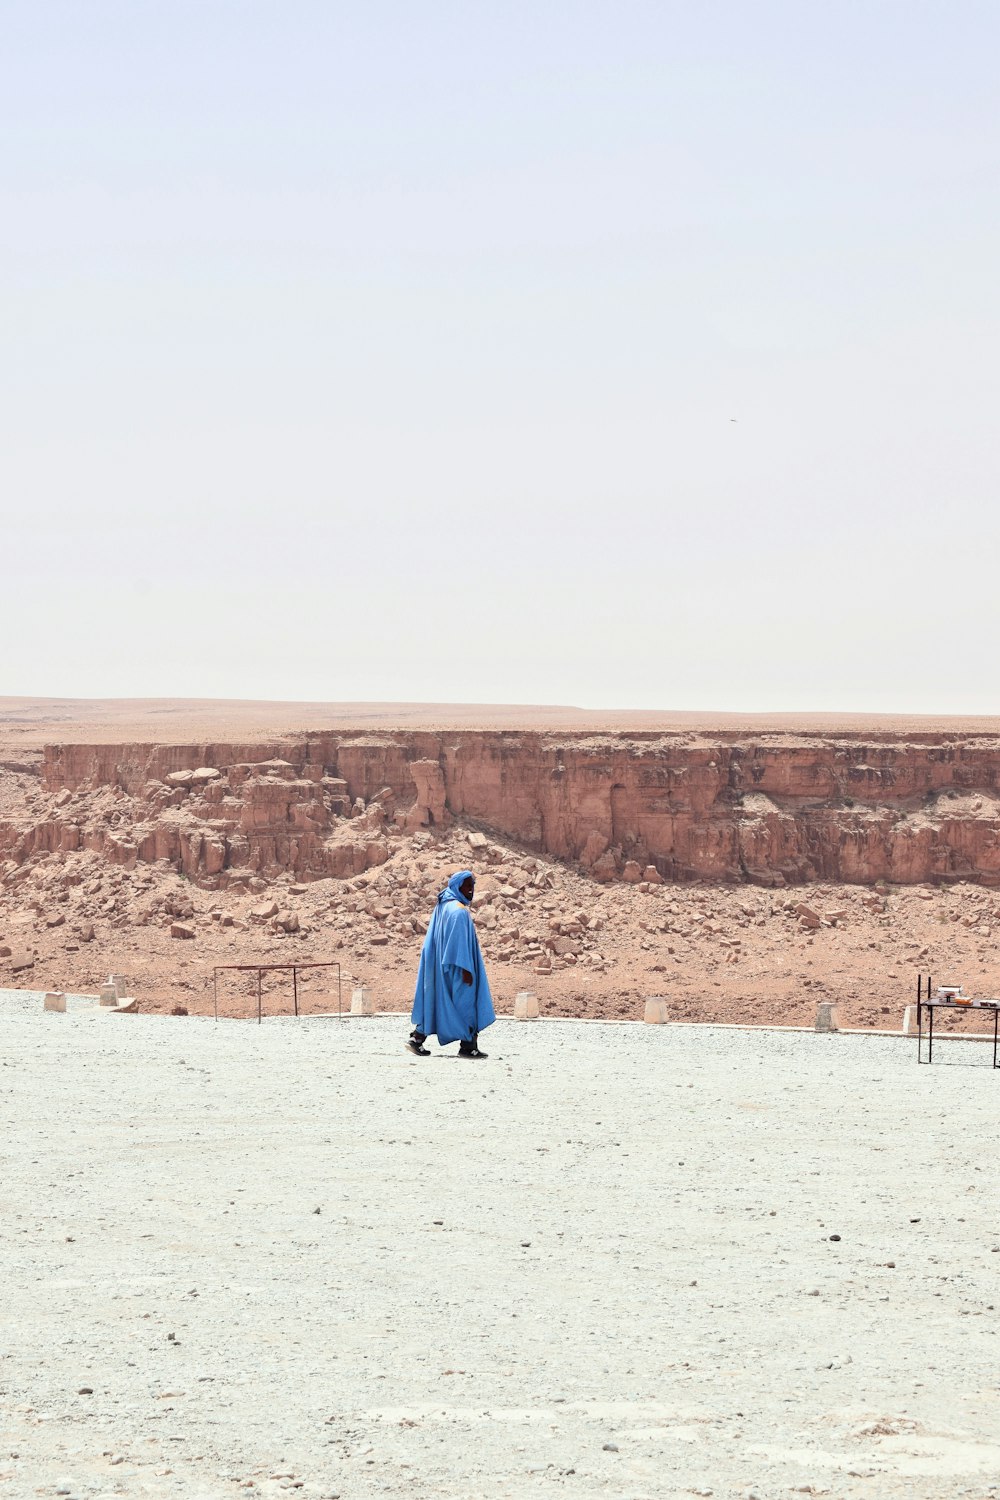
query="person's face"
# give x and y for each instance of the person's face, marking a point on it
(468, 887)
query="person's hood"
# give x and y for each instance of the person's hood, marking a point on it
(451, 891)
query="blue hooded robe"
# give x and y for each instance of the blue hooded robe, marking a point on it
(444, 1006)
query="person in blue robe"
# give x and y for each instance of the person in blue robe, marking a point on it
(452, 999)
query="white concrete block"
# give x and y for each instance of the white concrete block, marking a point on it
(826, 1016)
(108, 995)
(120, 983)
(362, 1002)
(656, 1013)
(54, 1001)
(526, 1006)
(910, 1021)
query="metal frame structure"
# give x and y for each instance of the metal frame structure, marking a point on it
(924, 1002)
(261, 969)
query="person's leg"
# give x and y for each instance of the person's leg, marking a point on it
(471, 1047)
(416, 1043)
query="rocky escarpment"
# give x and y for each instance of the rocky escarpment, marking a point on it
(771, 809)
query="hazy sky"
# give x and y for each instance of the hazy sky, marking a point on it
(393, 351)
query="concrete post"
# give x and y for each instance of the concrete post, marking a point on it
(109, 994)
(120, 983)
(526, 1006)
(362, 1002)
(656, 1011)
(826, 1016)
(54, 1001)
(910, 1021)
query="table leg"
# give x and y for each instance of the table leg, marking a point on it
(930, 1034)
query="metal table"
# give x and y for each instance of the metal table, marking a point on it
(261, 969)
(926, 1001)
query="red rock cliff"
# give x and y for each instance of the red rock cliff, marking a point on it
(769, 809)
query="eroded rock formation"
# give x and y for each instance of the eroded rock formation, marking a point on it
(769, 810)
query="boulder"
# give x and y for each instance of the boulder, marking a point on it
(592, 850)
(181, 930)
(376, 853)
(605, 868)
(213, 853)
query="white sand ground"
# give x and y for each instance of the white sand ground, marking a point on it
(598, 1264)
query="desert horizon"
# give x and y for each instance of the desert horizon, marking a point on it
(53, 719)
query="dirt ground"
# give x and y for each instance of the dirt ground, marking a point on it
(716, 953)
(612, 1260)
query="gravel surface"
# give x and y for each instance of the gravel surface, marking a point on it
(614, 1260)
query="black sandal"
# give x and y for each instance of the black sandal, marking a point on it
(416, 1045)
